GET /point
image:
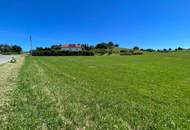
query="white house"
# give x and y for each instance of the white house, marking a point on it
(71, 47)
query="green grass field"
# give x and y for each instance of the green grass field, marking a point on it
(109, 92)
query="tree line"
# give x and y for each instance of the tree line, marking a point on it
(10, 49)
(159, 50)
(87, 50)
(55, 52)
(103, 48)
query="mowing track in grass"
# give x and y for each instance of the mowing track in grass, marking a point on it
(137, 92)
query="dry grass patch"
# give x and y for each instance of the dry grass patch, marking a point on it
(8, 75)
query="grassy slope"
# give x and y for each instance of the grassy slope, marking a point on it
(130, 92)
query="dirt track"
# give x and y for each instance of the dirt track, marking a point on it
(8, 75)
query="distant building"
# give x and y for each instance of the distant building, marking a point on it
(70, 47)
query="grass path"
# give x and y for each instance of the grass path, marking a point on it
(8, 76)
(32, 104)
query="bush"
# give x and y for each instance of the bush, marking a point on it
(137, 52)
(106, 45)
(179, 48)
(150, 50)
(10, 49)
(52, 52)
(125, 52)
(130, 52)
(101, 51)
(136, 48)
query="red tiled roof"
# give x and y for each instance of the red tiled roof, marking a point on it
(71, 46)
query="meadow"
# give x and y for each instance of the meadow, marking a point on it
(151, 91)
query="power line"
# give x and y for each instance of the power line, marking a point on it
(31, 48)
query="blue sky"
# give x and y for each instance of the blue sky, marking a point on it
(144, 23)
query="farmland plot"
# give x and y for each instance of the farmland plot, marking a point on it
(130, 92)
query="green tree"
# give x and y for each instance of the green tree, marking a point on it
(17, 49)
(136, 48)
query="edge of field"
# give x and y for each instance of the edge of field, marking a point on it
(8, 79)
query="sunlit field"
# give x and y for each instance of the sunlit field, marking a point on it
(151, 91)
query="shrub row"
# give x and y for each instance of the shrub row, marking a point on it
(10, 53)
(61, 53)
(130, 52)
(10, 49)
(101, 51)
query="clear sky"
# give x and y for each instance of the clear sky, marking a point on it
(143, 23)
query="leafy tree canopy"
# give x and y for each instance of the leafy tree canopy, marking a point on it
(108, 45)
(5, 48)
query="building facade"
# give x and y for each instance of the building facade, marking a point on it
(71, 47)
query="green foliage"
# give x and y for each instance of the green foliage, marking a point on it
(104, 45)
(87, 47)
(149, 50)
(10, 49)
(116, 45)
(136, 48)
(17, 49)
(130, 52)
(55, 52)
(165, 50)
(101, 51)
(87, 50)
(179, 49)
(137, 52)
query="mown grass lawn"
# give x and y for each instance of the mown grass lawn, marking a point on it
(129, 92)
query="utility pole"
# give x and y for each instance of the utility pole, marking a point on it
(30, 39)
